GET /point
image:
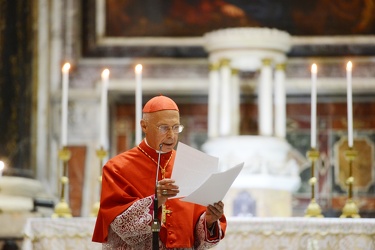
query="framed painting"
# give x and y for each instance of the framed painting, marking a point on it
(176, 27)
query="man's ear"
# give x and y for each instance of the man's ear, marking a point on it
(143, 126)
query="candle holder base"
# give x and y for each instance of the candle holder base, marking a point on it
(95, 209)
(313, 210)
(62, 210)
(101, 153)
(350, 210)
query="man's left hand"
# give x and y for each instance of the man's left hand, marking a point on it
(214, 212)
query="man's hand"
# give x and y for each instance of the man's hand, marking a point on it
(214, 212)
(166, 189)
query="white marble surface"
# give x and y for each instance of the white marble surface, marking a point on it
(60, 233)
(242, 234)
(12, 223)
(299, 234)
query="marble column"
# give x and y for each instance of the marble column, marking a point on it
(213, 101)
(225, 98)
(235, 103)
(265, 99)
(280, 101)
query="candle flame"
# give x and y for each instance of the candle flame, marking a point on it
(2, 165)
(105, 73)
(349, 66)
(138, 68)
(66, 67)
(314, 68)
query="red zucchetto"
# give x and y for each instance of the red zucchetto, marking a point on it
(159, 103)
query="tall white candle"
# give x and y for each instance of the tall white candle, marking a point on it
(138, 103)
(2, 165)
(64, 104)
(103, 108)
(314, 72)
(349, 103)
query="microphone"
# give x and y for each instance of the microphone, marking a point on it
(155, 228)
(158, 166)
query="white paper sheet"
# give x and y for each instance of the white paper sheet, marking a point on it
(191, 168)
(197, 176)
(215, 187)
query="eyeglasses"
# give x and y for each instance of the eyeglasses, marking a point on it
(163, 129)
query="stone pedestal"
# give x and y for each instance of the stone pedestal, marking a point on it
(270, 175)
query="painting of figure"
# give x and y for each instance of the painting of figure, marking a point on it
(180, 18)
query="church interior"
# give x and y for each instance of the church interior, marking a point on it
(287, 87)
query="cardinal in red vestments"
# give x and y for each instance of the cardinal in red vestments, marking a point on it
(129, 187)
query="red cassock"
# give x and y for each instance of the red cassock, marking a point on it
(126, 205)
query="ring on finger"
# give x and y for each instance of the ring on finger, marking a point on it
(164, 192)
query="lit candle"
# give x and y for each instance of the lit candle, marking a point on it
(349, 103)
(103, 108)
(64, 104)
(138, 103)
(314, 71)
(2, 165)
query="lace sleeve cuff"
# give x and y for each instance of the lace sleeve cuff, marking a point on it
(207, 238)
(133, 225)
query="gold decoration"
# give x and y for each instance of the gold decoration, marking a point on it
(313, 209)
(164, 213)
(266, 62)
(64, 154)
(281, 66)
(101, 154)
(350, 210)
(224, 62)
(364, 159)
(214, 66)
(62, 209)
(95, 209)
(162, 169)
(235, 72)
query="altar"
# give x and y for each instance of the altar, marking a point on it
(292, 233)
(60, 234)
(297, 233)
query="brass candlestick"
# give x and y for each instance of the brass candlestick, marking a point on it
(101, 153)
(313, 209)
(350, 209)
(62, 209)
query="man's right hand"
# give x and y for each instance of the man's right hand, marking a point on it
(166, 189)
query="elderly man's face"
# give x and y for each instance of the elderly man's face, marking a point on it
(151, 124)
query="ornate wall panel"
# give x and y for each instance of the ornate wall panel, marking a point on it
(16, 97)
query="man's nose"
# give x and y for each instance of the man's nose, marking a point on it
(170, 132)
